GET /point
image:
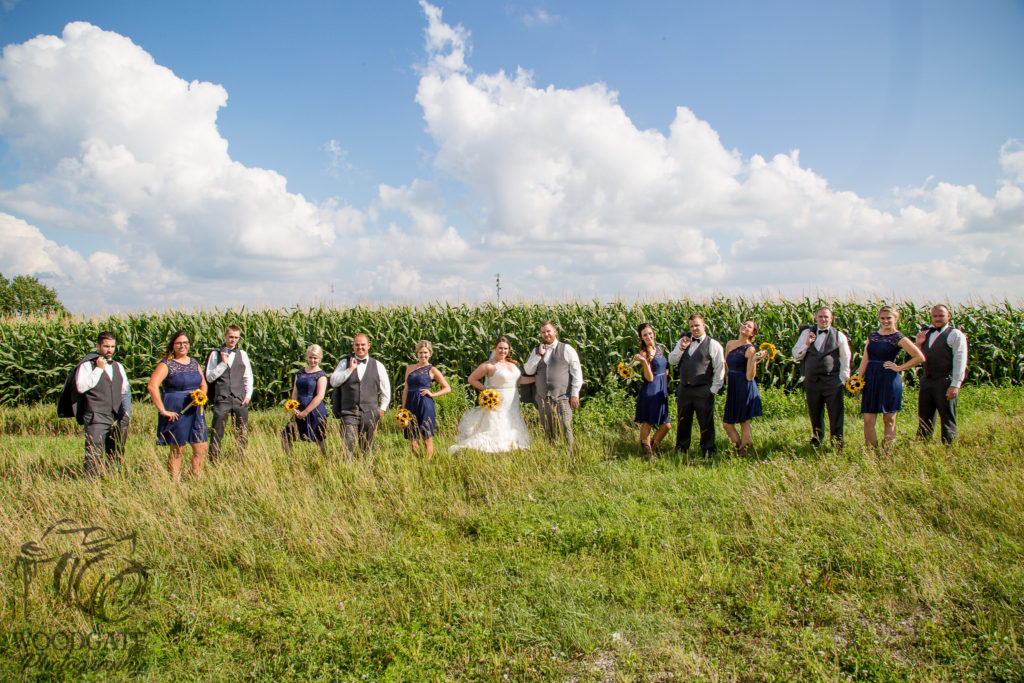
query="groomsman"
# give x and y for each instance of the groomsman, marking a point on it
(362, 392)
(229, 380)
(701, 363)
(559, 379)
(825, 352)
(102, 385)
(945, 364)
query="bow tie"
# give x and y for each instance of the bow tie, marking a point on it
(697, 340)
(817, 331)
(360, 361)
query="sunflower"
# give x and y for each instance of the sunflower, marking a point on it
(490, 399)
(770, 348)
(855, 384)
(291, 405)
(625, 371)
(198, 397)
(403, 417)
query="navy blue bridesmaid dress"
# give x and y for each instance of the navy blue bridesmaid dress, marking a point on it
(742, 399)
(424, 411)
(883, 389)
(652, 399)
(313, 427)
(190, 427)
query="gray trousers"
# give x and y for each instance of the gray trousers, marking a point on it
(555, 417)
(104, 441)
(221, 410)
(361, 426)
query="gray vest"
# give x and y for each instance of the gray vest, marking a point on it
(231, 383)
(938, 357)
(825, 363)
(360, 395)
(553, 377)
(104, 399)
(695, 370)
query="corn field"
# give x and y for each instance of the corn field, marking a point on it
(37, 354)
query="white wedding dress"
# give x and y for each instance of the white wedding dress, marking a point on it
(499, 430)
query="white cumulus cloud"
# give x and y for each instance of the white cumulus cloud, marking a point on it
(571, 188)
(555, 188)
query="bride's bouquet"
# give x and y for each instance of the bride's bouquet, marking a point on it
(489, 399)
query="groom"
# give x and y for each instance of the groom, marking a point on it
(559, 379)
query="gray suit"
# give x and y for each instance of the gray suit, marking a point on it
(557, 381)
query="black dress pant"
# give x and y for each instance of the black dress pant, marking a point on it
(699, 401)
(822, 393)
(931, 398)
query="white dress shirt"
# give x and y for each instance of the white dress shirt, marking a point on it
(957, 341)
(88, 377)
(571, 357)
(341, 373)
(714, 350)
(800, 350)
(215, 367)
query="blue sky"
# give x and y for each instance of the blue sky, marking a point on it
(868, 148)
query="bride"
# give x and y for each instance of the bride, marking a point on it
(501, 429)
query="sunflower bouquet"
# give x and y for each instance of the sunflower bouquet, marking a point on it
(489, 399)
(769, 349)
(198, 398)
(291, 405)
(403, 417)
(855, 384)
(627, 371)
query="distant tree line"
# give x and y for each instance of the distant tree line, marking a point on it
(25, 295)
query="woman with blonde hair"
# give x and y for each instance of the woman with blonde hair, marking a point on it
(418, 399)
(309, 421)
(883, 388)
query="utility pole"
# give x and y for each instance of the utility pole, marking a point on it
(497, 286)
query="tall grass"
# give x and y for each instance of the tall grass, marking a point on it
(541, 565)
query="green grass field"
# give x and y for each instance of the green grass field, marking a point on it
(537, 565)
